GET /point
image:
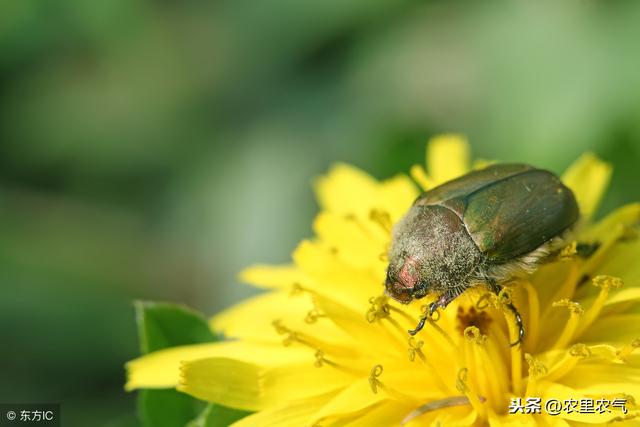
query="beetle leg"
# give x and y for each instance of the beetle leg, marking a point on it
(429, 312)
(496, 288)
(442, 301)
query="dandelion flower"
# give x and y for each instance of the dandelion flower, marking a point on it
(324, 347)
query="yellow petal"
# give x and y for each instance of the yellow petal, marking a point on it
(161, 369)
(622, 262)
(626, 216)
(366, 335)
(251, 387)
(272, 276)
(395, 196)
(388, 413)
(330, 276)
(351, 242)
(253, 318)
(561, 392)
(588, 177)
(619, 329)
(447, 157)
(513, 420)
(346, 190)
(291, 414)
(352, 400)
(420, 176)
(456, 416)
(604, 379)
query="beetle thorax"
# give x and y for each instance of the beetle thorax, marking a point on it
(431, 251)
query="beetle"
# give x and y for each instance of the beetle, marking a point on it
(485, 227)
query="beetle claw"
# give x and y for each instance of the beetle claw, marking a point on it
(419, 326)
(432, 309)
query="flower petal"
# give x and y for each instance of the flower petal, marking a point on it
(353, 399)
(253, 319)
(395, 196)
(330, 276)
(604, 379)
(447, 157)
(272, 276)
(252, 387)
(161, 369)
(388, 413)
(588, 177)
(346, 190)
(290, 414)
(561, 392)
(352, 242)
(626, 216)
(619, 329)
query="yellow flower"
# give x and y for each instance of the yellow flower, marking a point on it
(324, 347)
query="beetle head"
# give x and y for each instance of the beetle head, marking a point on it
(403, 281)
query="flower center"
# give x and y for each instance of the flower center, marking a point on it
(472, 317)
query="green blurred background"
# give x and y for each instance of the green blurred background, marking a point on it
(151, 149)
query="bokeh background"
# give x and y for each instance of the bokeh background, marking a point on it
(151, 149)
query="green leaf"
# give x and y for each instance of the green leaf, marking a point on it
(167, 408)
(163, 325)
(217, 416)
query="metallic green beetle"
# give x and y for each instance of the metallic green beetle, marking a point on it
(482, 228)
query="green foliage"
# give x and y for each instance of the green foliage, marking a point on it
(160, 326)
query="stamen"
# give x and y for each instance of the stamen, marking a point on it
(501, 302)
(309, 341)
(441, 331)
(296, 289)
(379, 308)
(626, 351)
(473, 334)
(605, 283)
(504, 297)
(537, 369)
(472, 317)
(488, 378)
(321, 360)
(382, 218)
(580, 351)
(485, 301)
(313, 316)
(568, 362)
(575, 312)
(567, 288)
(374, 382)
(475, 400)
(568, 252)
(415, 347)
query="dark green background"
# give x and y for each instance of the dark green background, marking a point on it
(151, 149)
